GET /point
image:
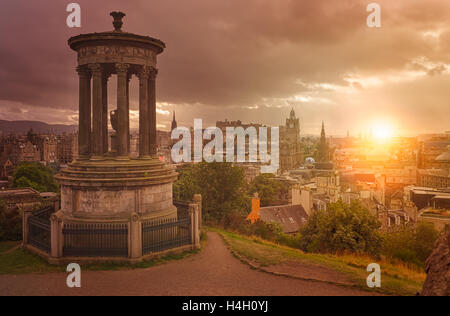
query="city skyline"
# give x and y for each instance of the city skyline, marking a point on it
(319, 58)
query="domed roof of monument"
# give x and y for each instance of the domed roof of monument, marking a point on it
(444, 157)
(117, 36)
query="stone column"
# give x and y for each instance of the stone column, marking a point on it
(105, 112)
(128, 114)
(26, 215)
(122, 132)
(97, 109)
(198, 200)
(84, 114)
(195, 232)
(56, 226)
(135, 237)
(144, 126)
(152, 110)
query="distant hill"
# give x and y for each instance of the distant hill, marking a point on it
(22, 127)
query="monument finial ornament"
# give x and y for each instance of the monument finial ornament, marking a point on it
(118, 16)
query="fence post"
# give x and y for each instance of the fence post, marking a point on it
(195, 232)
(56, 236)
(198, 200)
(26, 215)
(135, 236)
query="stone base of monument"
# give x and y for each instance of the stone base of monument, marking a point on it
(116, 188)
(114, 210)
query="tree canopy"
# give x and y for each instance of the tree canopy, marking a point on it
(222, 186)
(34, 175)
(270, 191)
(342, 228)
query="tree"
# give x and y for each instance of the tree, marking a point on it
(222, 186)
(36, 176)
(270, 191)
(342, 228)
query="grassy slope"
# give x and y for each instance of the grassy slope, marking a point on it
(396, 279)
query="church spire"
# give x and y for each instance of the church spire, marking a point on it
(322, 133)
(174, 122)
(323, 146)
(292, 113)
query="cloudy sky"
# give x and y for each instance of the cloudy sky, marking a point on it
(251, 60)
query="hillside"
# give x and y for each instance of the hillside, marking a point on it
(346, 270)
(22, 127)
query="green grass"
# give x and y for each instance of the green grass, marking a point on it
(20, 261)
(396, 279)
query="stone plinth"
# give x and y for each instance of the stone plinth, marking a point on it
(114, 189)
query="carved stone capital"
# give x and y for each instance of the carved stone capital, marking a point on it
(96, 69)
(106, 76)
(84, 72)
(153, 73)
(122, 69)
(144, 73)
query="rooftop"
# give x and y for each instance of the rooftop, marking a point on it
(291, 217)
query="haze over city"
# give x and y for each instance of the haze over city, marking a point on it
(226, 60)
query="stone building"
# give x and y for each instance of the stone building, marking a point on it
(27, 152)
(429, 148)
(6, 167)
(436, 177)
(67, 148)
(49, 153)
(291, 151)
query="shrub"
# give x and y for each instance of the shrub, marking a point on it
(10, 223)
(411, 245)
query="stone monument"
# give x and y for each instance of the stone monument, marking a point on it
(114, 207)
(104, 183)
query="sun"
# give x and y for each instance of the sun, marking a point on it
(382, 131)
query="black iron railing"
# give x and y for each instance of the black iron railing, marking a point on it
(39, 234)
(95, 240)
(163, 234)
(182, 208)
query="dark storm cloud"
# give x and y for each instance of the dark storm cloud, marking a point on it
(238, 59)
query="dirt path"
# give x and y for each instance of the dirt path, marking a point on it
(212, 272)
